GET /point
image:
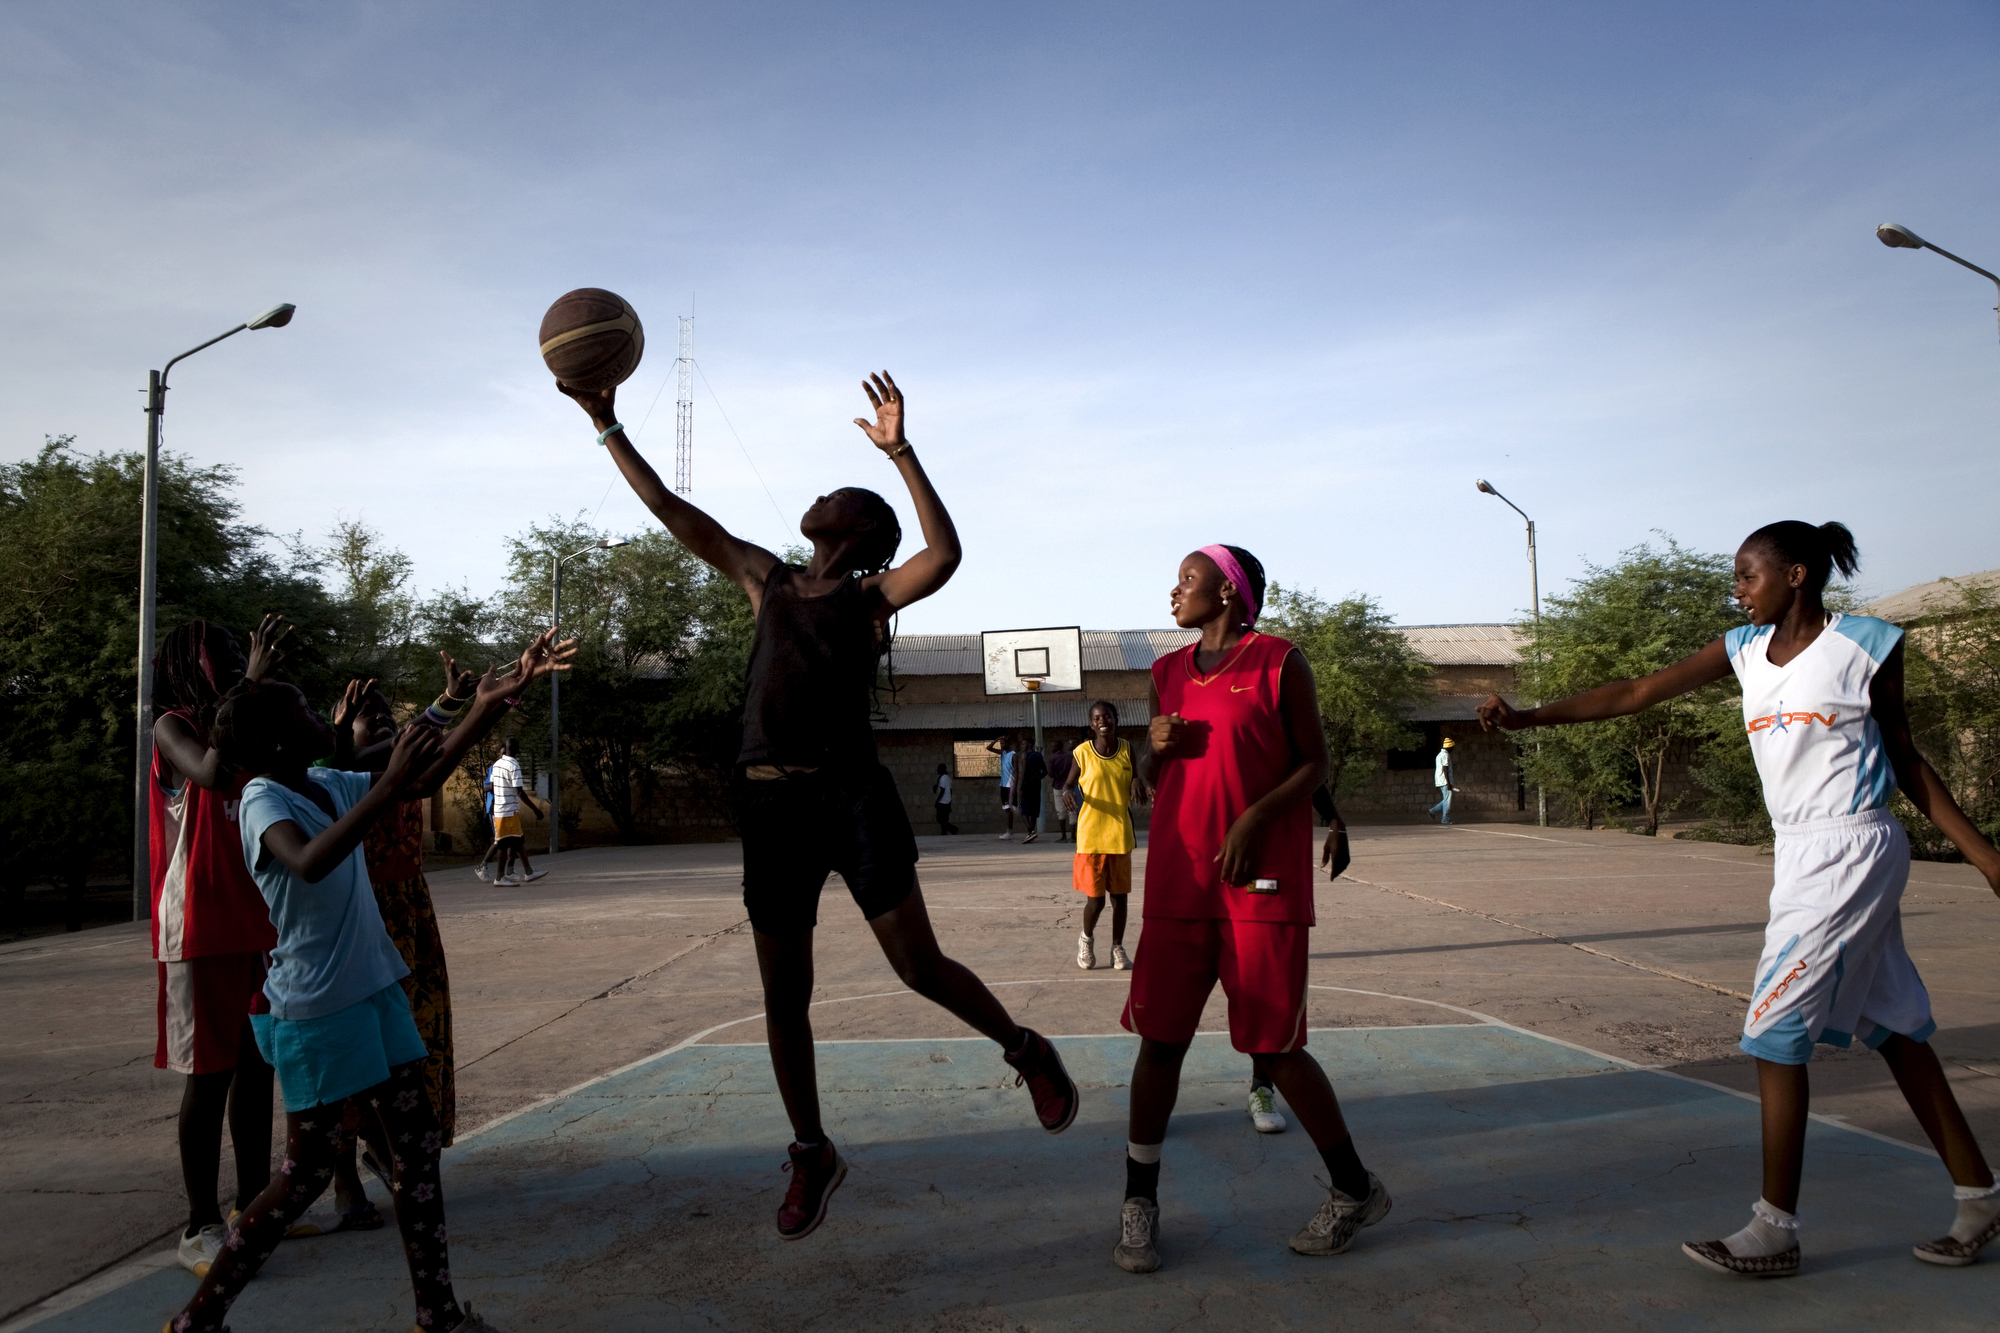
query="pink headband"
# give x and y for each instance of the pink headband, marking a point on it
(1232, 571)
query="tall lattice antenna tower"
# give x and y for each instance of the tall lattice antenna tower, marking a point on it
(684, 414)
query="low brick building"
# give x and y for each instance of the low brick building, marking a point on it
(939, 713)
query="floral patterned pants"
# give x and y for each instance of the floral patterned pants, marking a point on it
(311, 1139)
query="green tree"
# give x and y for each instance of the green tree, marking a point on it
(1366, 673)
(69, 579)
(1952, 666)
(1649, 610)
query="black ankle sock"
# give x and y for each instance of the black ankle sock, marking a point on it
(1142, 1180)
(1343, 1164)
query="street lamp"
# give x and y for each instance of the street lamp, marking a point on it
(1535, 592)
(1898, 237)
(555, 691)
(149, 588)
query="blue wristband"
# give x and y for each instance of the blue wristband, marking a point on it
(608, 429)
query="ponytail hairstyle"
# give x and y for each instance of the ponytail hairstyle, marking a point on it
(1821, 549)
(245, 732)
(183, 677)
(1253, 569)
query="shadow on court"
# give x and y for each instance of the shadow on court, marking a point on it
(1536, 1186)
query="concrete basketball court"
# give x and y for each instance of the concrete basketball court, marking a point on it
(1532, 1030)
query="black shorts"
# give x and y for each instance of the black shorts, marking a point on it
(1030, 799)
(799, 829)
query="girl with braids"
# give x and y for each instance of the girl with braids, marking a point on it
(1824, 718)
(210, 926)
(1233, 755)
(811, 796)
(337, 1025)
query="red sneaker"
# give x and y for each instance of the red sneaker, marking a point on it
(816, 1173)
(1054, 1091)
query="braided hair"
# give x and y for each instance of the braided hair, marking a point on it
(879, 543)
(1253, 569)
(183, 678)
(1821, 549)
(244, 722)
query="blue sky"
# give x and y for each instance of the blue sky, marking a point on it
(1152, 275)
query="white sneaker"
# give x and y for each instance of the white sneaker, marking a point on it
(1086, 953)
(1264, 1113)
(1008, 836)
(200, 1250)
(509, 881)
(1334, 1227)
(1118, 959)
(532, 878)
(479, 871)
(1138, 1242)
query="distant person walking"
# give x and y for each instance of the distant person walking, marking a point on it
(1028, 778)
(941, 789)
(1004, 747)
(1062, 766)
(1444, 782)
(509, 795)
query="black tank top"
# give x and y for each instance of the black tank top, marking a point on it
(811, 667)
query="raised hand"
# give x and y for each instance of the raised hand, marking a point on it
(414, 753)
(601, 404)
(886, 430)
(350, 702)
(538, 659)
(458, 684)
(264, 651)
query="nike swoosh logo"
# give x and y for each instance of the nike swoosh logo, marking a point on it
(1241, 689)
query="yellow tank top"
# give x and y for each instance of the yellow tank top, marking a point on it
(1104, 825)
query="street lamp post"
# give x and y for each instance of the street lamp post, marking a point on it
(1899, 237)
(1535, 592)
(149, 588)
(555, 691)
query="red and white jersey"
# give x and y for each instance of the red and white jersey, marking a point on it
(1237, 749)
(1809, 722)
(204, 901)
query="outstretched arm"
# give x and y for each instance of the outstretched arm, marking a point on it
(746, 563)
(928, 570)
(1914, 774)
(312, 860)
(1621, 698)
(489, 704)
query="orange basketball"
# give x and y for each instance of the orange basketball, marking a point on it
(592, 339)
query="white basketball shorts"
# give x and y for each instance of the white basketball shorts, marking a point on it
(1834, 966)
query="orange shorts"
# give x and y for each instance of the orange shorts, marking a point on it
(1098, 873)
(1262, 968)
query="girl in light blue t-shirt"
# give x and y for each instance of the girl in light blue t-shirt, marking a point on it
(337, 1026)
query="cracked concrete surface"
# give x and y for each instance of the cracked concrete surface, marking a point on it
(622, 953)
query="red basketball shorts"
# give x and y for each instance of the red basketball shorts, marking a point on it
(1262, 968)
(203, 1002)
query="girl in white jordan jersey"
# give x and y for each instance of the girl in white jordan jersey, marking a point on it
(1823, 714)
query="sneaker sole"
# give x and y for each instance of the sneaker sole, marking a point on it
(1944, 1260)
(1688, 1248)
(839, 1174)
(1076, 1093)
(1278, 1128)
(1135, 1265)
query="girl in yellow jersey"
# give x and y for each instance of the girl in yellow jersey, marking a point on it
(1102, 788)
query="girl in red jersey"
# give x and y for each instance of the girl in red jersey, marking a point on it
(1234, 754)
(210, 925)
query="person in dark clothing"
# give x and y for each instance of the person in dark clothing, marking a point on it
(1028, 788)
(1061, 764)
(812, 797)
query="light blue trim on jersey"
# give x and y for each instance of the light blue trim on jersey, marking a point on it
(1735, 640)
(1877, 638)
(1875, 779)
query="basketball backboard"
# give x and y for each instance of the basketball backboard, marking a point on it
(1051, 657)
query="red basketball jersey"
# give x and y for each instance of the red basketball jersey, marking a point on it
(1236, 751)
(204, 901)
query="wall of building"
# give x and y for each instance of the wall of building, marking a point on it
(912, 758)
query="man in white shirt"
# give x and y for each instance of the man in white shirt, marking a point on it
(1443, 780)
(508, 796)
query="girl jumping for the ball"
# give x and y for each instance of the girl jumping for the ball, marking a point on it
(811, 796)
(1234, 754)
(1823, 713)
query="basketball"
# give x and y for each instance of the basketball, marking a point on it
(592, 339)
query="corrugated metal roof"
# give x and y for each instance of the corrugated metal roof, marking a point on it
(1004, 713)
(1910, 604)
(1138, 649)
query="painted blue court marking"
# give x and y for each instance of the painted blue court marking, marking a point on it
(1536, 1185)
